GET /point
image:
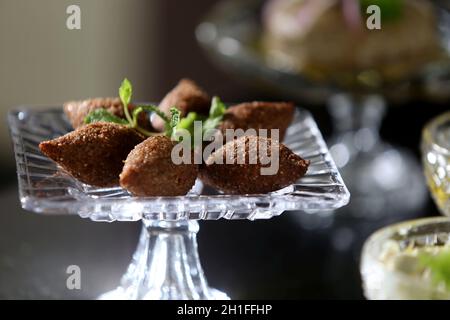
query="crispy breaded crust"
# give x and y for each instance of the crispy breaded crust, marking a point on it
(259, 115)
(246, 178)
(150, 171)
(94, 153)
(187, 96)
(76, 111)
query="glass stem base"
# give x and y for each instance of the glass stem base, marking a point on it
(382, 179)
(165, 266)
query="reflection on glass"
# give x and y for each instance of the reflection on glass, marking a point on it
(436, 160)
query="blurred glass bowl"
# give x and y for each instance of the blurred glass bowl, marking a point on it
(387, 274)
(436, 160)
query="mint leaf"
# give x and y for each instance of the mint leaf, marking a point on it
(169, 123)
(174, 120)
(211, 123)
(101, 114)
(149, 108)
(175, 117)
(217, 109)
(152, 108)
(188, 121)
(439, 266)
(125, 92)
(216, 113)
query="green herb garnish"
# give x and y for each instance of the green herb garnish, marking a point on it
(212, 121)
(439, 265)
(103, 115)
(125, 93)
(171, 123)
(216, 113)
(131, 120)
(188, 121)
(391, 10)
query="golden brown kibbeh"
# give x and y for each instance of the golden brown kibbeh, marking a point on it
(76, 111)
(246, 178)
(150, 171)
(94, 153)
(259, 115)
(187, 97)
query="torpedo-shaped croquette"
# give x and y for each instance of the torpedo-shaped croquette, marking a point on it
(94, 153)
(150, 171)
(76, 111)
(187, 97)
(247, 177)
(259, 115)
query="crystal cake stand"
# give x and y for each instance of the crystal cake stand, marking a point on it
(166, 264)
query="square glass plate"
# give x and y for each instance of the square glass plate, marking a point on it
(43, 188)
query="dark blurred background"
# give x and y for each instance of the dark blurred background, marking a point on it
(153, 43)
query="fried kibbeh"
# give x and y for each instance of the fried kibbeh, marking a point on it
(150, 171)
(259, 115)
(247, 178)
(105, 151)
(187, 97)
(93, 153)
(76, 111)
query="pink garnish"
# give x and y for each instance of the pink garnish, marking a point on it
(311, 10)
(351, 10)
